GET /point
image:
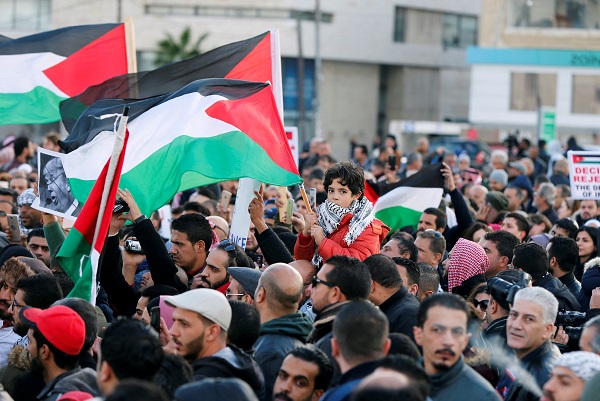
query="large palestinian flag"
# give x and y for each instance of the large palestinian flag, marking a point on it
(39, 71)
(256, 59)
(210, 131)
(404, 202)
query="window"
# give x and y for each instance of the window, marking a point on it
(25, 14)
(526, 88)
(572, 14)
(459, 30)
(586, 94)
(399, 24)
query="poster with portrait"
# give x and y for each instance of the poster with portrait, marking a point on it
(54, 192)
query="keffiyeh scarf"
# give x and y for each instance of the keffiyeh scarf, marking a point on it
(330, 216)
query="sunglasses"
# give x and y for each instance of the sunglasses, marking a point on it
(481, 304)
(316, 281)
(229, 246)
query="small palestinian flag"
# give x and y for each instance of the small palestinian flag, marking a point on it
(210, 131)
(405, 201)
(37, 72)
(591, 159)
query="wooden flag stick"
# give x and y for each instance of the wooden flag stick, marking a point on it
(306, 201)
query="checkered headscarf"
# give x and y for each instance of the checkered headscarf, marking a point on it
(467, 259)
(583, 364)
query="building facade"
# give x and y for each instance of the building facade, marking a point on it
(380, 60)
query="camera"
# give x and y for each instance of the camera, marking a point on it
(512, 141)
(133, 246)
(572, 322)
(504, 292)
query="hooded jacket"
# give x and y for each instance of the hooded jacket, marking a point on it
(74, 380)
(244, 368)
(277, 338)
(590, 280)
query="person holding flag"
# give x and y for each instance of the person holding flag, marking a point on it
(344, 224)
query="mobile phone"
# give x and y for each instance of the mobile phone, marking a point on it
(13, 225)
(259, 260)
(392, 162)
(282, 192)
(155, 318)
(225, 199)
(289, 211)
(133, 246)
(313, 199)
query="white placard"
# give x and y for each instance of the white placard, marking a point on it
(584, 173)
(240, 222)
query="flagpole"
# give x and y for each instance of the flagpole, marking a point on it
(110, 176)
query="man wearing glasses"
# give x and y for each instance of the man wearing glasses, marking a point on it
(215, 274)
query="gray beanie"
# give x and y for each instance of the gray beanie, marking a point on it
(499, 175)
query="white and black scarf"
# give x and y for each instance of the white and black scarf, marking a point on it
(330, 216)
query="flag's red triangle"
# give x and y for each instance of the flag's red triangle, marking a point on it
(100, 60)
(577, 159)
(370, 193)
(257, 117)
(254, 66)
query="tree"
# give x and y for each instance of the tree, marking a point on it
(171, 50)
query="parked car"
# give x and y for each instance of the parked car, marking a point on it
(479, 152)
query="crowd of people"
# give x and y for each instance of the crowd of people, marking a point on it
(494, 294)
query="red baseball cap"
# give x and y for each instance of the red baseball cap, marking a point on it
(60, 325)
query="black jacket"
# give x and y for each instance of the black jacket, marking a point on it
(463, 219)
(401, 310)
(277, 338)
(572, 284)
(566, 300)
(246, 370)
(272, 247)
(538, 364)
(461, 383)
(591, 280)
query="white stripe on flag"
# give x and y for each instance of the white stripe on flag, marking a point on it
(415, 198)
(21, 73)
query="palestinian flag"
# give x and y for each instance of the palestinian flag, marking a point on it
(39, 71)
(403, 203)
(80, 252)
(210, 131)
(256, 59)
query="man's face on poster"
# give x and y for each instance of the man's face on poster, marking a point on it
(59, 192)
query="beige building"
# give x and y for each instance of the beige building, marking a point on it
(381, 59)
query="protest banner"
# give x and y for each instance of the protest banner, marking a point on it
(584, 173)
(240, 223)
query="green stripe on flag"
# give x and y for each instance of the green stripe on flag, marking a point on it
(175, 166)
(78, 270)
(397, 217)
(38, 106)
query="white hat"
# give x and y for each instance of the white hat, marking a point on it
(207, 302)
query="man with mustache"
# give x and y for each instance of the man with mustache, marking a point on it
(304, 375)
(569, 376)
(442, 332)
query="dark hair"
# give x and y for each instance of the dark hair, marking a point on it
(531, 258)
(177, 210)
(361, 330)
(157, 290)
(505, 242)
(409, 367)
(363, 148)
(383, 271)
(403, 345)
(132, 350)
(371, 393)
(413, 271)
(473, 228)
(310, 353)
(236, 257)
(351, 276)
(10, 192)
(522, 223)
(20, 144)
(88, 314)
(440, 217)
(64, 281)
(437, 242)
(204, 191)
(406, 245)
(196, 207)
(316, 173)
(429, 279)
(62, 360)
(174, 372)
(40, 290)
(36, 232)
(566, 252)
(446, 300)
(137, 390)
(195, 227)
(568, 225)
(538, 218)
(349, 174)
(245, 325)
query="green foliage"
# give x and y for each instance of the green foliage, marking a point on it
(171, 49)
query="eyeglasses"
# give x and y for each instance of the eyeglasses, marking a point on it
(229, 246)
(15, 305)
(316, 281)
(436, 234)
(481, 304)
(234, 295)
